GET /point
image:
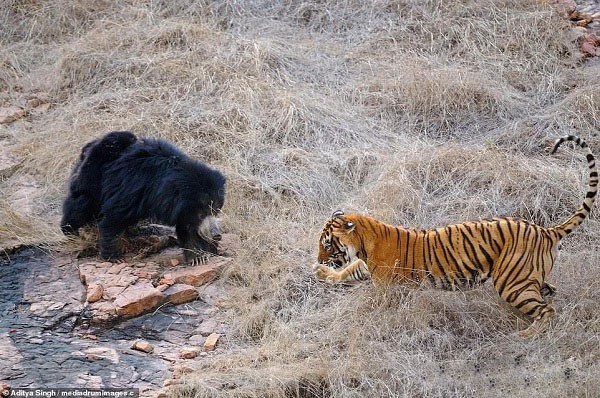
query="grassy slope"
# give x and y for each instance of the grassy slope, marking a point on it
(420, 113)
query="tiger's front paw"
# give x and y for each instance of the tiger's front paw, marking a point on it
(325, 273)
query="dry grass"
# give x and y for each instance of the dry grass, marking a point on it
(417, 112)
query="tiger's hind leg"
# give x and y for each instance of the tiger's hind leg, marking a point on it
(533, 304)
(521, 286)
(526, 296)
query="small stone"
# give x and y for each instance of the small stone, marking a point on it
(180, 293)
(181, 370)
(36, 341)
(174, 262)
(583, 22)
(116, 268)
(596, 16)
(189, 353)
(142, 274)
(589, 49)
(11, 113)
(142, 345)
(98, 353)
(211, 342)
(207, 327)
(90, 336)
(94, 292)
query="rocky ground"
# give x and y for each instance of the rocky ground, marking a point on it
(585, 15)
(149, 321)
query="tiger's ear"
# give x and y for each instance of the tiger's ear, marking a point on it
(345, 228)
(337, 213)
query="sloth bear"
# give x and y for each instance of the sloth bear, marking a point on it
(152, 179)
(82, 205)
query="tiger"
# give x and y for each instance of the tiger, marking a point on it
(516, 254)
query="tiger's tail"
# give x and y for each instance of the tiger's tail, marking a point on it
(584, 210)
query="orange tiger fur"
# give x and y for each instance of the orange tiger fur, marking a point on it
(516, 254)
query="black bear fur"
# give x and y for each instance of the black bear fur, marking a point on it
(82, 205)
(152, 179)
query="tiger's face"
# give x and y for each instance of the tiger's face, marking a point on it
(332, 249)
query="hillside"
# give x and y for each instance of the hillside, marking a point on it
(419, 113)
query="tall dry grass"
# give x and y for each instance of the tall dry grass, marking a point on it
(420, 113)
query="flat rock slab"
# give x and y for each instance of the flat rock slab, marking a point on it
(197, 275)
(138, 298)
(118, 291)
(180, 293)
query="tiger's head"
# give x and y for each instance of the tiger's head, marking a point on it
(336, 240)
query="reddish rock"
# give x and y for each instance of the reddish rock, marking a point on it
(174, 262)
(137, 299)
(591, 46)
(584, 21)
(116, 268)
(180, 293)
(181, 370)
(211, 342)
(195, 276)
(145, 274)
(11, 113)
(99, 353)
(142, 345)
(94, 292)
(189, 353)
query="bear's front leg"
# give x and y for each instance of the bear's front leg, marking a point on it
(196, 250)
(110, 244)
